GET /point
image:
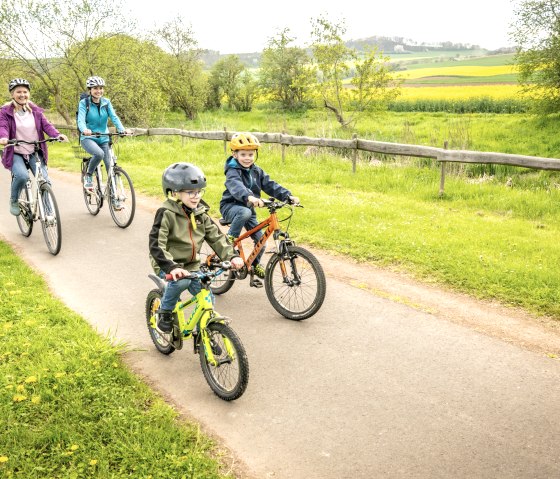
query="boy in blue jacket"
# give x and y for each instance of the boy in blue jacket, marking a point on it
(244, 183)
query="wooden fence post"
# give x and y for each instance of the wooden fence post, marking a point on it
(183, 137)
(442, 179)
(283, 148)
(225, 142)
(355, 152)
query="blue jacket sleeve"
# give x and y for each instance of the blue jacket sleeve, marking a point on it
(82, 115)
(114, 118)
(271, 188)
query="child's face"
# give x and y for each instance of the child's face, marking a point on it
(190, 198)
(245, 157)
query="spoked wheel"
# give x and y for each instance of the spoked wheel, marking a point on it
(93, 199)
(220, 284)
(122, 202)
(52, 230)
(228, 379)
(162, 341)
(300, 293)
(25, 218)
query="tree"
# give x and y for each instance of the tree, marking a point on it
(184, 80)
(246, 92)
(371, 82)
(226, 78)
(285, 72)
(536, 32)
(39, 36)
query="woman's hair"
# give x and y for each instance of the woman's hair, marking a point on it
(25, 107)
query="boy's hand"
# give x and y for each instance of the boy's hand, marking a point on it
(257, 202)
(237, 263)
(294, 200)
(179, 273)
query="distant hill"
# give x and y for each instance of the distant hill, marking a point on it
(387, 45)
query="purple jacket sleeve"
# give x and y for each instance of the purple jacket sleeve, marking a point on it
(48, 128)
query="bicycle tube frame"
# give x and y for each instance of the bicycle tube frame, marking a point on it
(271, 224)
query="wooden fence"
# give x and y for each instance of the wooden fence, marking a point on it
(442, 155)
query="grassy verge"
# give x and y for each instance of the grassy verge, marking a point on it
(482, 237)
(69, 408)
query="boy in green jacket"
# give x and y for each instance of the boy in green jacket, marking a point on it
(180, 227)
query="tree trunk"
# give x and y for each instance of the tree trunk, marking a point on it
(337, 113)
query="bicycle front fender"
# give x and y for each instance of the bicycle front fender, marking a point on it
(160, 283)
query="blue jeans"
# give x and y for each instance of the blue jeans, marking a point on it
(98, 153)
(175, 288)
(239, 217)
(20, 174)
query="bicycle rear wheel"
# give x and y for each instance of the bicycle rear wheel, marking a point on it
(162, 341)
(25, 218)
(220, 284)
(122, 201)
(52, 230)
(300, 293)
(93, 199)
(229, 378)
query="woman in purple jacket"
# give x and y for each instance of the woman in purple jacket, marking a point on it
(22, 120)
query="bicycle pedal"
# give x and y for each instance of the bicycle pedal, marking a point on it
(255, 283)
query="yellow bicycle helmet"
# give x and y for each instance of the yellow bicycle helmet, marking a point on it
(244, 141)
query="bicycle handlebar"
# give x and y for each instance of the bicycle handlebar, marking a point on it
(223, 266)
(274, 203)
(97, 134)
(16, 142)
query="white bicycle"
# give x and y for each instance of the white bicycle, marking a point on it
(117, 190)
(37, 202)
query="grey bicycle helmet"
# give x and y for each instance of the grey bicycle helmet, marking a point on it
(182, 176)
(94, 81)
(18, 82)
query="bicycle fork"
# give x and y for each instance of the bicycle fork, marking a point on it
(283, 241)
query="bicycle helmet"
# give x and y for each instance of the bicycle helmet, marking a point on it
(94, 81)
(244, 141)
(18, 82)
(182, 176)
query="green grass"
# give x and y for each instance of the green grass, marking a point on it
(69, 408)
(482, 237)
(488, 61)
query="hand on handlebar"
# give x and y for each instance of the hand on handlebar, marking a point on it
(294, 200)
(62, 137)
(3, 141)
(254, 201)
(179, 273)
(87, 132)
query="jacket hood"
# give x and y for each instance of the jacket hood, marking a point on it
(233, 164)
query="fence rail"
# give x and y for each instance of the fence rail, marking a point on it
(440, 154)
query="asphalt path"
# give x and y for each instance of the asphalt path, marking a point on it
(373, 385)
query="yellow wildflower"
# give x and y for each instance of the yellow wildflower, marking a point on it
(3, 459)
(73, 447)
(59, 375)
(31, 379)
(93, 462)
(36, 399)
(20, 388)
(19, 398)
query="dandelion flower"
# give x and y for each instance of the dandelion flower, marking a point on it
(20, 388)
(3, 459)
(36, 399)
(73, 447)
(31, 379)
(19, 398)
(93, 462)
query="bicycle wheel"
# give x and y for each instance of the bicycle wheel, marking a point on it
(229, 378)
(162, 341)
(220, 284)
(300, 294)
(25, 218)
(52, 230)
(93, 199)
(122, 202)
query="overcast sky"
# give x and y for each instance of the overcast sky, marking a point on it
(245, 26)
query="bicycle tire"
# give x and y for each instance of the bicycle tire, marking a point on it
(124, 197)
(220, 284)
(161, 341)
(52, 229)
(94, 200)
(230, 377)
(302, 298)
(25, 217)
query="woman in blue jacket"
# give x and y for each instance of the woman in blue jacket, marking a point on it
(94, 112)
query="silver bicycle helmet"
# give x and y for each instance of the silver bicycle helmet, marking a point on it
(94, 81)
(18, 82)
(182, 176)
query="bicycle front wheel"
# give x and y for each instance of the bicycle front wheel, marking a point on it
(25, 218)
(52, 230)
(93, 199)
(299, 292)
(122, 201)
(230, 376)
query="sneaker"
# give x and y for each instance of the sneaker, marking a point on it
(117, 205)
(165, 321)
(88, 182)
(14, 208)
(258, 270)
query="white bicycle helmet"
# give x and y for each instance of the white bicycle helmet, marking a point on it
(94, 81)
(18, 82)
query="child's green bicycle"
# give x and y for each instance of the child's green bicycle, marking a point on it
(222, 356)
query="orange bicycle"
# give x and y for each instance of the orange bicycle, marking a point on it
(294, 280)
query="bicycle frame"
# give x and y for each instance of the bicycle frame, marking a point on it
(202, 315)
(33, 186)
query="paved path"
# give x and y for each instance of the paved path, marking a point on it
(374, 385)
